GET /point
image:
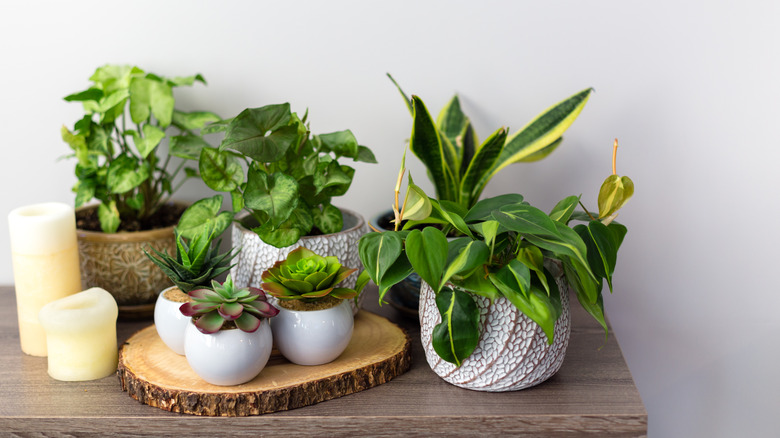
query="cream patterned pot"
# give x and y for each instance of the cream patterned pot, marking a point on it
(512, 353)
(256, 256)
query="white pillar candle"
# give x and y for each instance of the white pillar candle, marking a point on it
(81, 335)
(45, 258)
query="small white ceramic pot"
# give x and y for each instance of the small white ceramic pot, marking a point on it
(228, 357)
(512, 353)
(256, 256)
(313, 337)
(169, 321)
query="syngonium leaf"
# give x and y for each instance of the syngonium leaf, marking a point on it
(187, 146)
(456, 337)
(427, 252)
(328, 219)
(341, 143)
(204, 215)
(189, 121)
(152, 136)
(262, 134)
(276, 195)
(220, 170)
(109, 217)
(150, 95)
(124, 174)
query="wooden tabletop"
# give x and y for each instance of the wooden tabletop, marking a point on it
(593, 394)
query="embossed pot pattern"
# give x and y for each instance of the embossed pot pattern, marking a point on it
(116, 262)
(512, 353)
(256, 256)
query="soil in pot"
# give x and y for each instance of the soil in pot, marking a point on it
(168, 214)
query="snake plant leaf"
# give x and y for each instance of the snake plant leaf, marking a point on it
(614, 192)
(542, 153)
(456, 337)
(540, 132)
(246, 133)
(481, 163)
(483, 209)
(427, 252)
(109, 217)
(436, 153)
(341, 143)
(417, 205)
(525, 219)
(220, 170)
(408, 101)
(204, 215)
(468, 258)
(248, 322)
(451, 121)
(276, 195)
(564, 208)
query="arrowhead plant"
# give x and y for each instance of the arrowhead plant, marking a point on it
(223, 306)
(128, 115)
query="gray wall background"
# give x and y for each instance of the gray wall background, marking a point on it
(690, 89)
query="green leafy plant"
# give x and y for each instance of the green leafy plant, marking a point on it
(197, 261)
(459, 166)
(291, 175)
(509, 249)
(307, 276)
(212, 308)
(117, 143)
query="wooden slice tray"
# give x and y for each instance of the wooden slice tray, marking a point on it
(153, 374)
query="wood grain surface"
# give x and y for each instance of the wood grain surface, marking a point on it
(153, 374)
(592, 395)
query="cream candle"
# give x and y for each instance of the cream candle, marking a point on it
(81, 335)
(45, 257)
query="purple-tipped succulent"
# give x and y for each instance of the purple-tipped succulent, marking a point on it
(245, 307)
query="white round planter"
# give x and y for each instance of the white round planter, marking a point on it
(169, 322)
(256, 256)
(512, 353)
(228, 357)
(313, 337)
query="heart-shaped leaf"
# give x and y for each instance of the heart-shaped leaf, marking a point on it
(456, 337)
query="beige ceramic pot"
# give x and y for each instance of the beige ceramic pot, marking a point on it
(116, 263)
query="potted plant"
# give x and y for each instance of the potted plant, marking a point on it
(460, 167)
(286, 194)
(494, 304)
(119, 163)
(196, 264)
(315, 321)
(228, 341)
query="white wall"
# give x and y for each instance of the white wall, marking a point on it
(690, 89)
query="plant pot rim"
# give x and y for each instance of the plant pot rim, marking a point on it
(125, 236)
(360, 223)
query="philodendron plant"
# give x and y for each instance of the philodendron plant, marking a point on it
(211, 308)
(509, 249)
(308, 277)
(459, 166)
(291, 175)
(197, 261)
(116, 143)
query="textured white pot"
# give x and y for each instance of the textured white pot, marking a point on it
(256, 256)
(512, 353)
(313, 337)
(228, 357)
(169, 322)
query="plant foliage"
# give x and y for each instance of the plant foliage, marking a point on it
(117, 142)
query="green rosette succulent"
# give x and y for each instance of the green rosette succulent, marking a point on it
(212, 308)
(307, 276)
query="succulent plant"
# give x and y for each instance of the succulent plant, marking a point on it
(244, 307)
(197, 262)
(307, 276)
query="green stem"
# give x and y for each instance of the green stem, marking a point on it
(586, 211)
